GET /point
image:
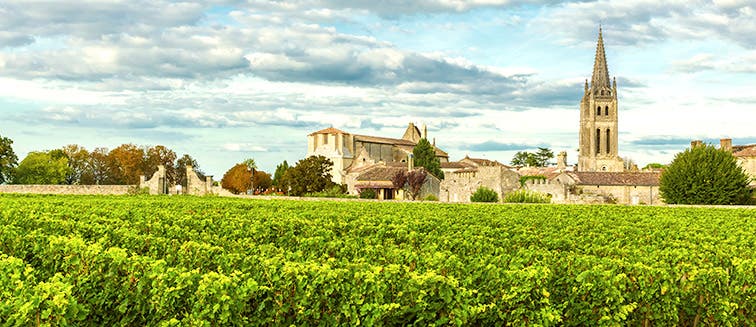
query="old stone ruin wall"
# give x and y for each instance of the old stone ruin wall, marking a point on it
(558, 191)
(195, 185)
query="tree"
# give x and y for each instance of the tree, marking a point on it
(250, 163)
(262, 180)
(411, 181)
(180, 169)
(128, 162)
(309, 175)
(522, 158)
(541, 158)
(41, 168)
(78, 163)
(102, 169)
(8, 160)
(160, 155)
(238, 179)
(415, 181)
(425, 156)
(705, 175)
(278, 175)
(654, 166)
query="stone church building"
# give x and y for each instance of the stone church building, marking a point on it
(598, 150)
(349, 151)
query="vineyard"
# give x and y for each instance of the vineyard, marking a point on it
(164, 261)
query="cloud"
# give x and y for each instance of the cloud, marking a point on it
(649, 22)
(244, 147)
(497, 146)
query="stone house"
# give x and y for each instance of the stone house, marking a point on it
(460, 184)
(613, 187)
(746, 155)
(347, 150)
(379, 177)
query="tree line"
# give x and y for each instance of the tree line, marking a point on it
(75, 165)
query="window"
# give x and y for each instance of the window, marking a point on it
(598, 110)
(606, 111)
(608, 144)
(598, 141)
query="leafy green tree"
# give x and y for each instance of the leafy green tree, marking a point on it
(704, 175)
(41, 168)
(8, 160)
(484, 194)
(101, 168)
(309, 175)
(425, 156)
(127, 162)
(522, 158)
(279, 173)
(78, 163)
(541, 158)
(654, 165)
(250, 163)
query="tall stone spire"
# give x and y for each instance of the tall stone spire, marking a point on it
(600, 77)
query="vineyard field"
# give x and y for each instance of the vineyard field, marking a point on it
(212, 261)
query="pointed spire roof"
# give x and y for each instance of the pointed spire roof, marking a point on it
(600, 77)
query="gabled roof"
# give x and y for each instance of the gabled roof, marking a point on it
(616, 179)
(453, 165)
(745, 151)
(382, 140)
(329, 130)
(380, 173)
(549, 172)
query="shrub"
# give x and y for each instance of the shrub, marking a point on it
(430, 197)
(704, 175)
(368, 193)
(526, 196)
(484, 194)
(335, 191)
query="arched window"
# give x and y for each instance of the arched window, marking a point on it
(606, 111)
(608, 144)
(598, 141)
(598, 110)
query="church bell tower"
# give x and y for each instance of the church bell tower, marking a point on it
(598, 119)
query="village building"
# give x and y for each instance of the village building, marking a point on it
(462, 178)
(362, 160)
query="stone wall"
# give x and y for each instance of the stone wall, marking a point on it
(558, 191)
(68, 189)
(621, 194)
(197, 186)
(749, 165)
(459, 186)
(157, 183)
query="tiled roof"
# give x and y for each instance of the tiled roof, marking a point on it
(452, 165)
(383, 140)
(747, 151)
(380, 173)
(485, 162)
(623, 178)
(329, 130)
(549, 172)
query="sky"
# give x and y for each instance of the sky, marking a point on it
(226, 80)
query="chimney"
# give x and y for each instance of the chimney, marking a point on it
(562, 160)
(695, 143)
(425, 132)
(410, 162)
(725, 144)
(434, 142)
